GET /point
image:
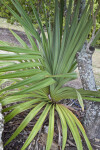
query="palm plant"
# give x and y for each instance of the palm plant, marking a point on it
(41, 71)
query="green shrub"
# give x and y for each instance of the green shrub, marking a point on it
(41, 71)
(40, 5)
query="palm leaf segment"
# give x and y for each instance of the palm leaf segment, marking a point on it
(39, 72)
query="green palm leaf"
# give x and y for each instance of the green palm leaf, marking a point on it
(19, 74)
(73, 128)
(64, 126)
(51, 129)
(25, 21)
(37, 126)
(19, 39)
(80, 127)
(3, 43)
(31, 40)
(80, 100)
(38, 20)
(25, 122)
(38, 73)
(23, 65)
(22, 107)
(12, 99)
(19, 57)
(19, 50)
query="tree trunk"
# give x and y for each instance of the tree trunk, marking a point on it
(84, 59)
(92, 114)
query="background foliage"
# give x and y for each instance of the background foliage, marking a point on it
(97, 21)
(41, 6)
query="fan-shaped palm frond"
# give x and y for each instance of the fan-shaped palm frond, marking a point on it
(42, 70)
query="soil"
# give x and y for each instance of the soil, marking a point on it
(9, 128)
